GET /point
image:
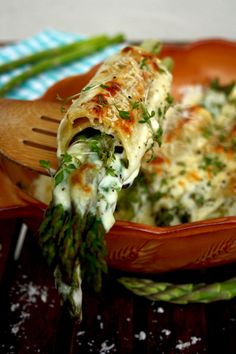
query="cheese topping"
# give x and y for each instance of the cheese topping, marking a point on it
(193, 175)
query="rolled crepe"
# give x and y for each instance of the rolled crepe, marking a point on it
(124, 104)
(127, 98)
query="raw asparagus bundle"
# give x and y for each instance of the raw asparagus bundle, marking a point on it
(180, 293)
(52, 58)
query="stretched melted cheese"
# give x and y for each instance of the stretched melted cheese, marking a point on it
(128, 83)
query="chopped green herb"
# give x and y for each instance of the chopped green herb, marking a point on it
(159, 134)
(59, 177)
(198, 199)
(135, 104)
(66, 158)
(227, 89)
(67, 166)
(87, 88)
(103, 146)
(181, 163)
(165, 216)
(63, 109)
(212, 163)
(94, 146)
(146, 116)
(164, 182)
(156, 196)
(222, 137)
(233, 145)
(169, 99)
(45, 164)
(159, 112)
(125, 162)
(168, 63)
(143, 63)
(110, 171)
(104, 86)
(207, 132)
(124, 115)
(152, 46)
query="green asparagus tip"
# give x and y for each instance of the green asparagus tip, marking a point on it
(118, 38)
(168, 63)
(51, 58)
(151, 45)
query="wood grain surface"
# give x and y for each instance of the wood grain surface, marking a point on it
(114, 321)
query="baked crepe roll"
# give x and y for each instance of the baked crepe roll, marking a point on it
(126, 90)
(101, 142)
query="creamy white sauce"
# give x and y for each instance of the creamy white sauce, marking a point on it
(61, 195)
(108, 192)
(105, 187)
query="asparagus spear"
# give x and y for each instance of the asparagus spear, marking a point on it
(50, 53)
(76, 53)
(181, 293)
(72, 239)
(64, 248)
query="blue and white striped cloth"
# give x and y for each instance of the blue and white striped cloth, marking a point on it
(36, 86)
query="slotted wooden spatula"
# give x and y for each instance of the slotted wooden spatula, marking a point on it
(28, 129)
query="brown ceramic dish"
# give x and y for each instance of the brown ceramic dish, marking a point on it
(141, 248)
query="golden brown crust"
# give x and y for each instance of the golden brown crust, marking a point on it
(113, 102)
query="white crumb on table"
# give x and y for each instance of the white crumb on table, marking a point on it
(165, 331)
(106, 348)
(141, 335)
(184, 345)
(28, 294)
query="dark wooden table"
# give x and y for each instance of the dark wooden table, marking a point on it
(116, 321)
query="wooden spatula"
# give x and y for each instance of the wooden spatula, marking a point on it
(28, 129)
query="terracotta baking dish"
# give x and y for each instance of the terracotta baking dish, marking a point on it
(135, 247)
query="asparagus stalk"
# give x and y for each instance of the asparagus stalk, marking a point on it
(65, 57)
(181, 293)
(50, 53)
(62, 238)
(72, 239)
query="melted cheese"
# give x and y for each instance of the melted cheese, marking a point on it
(193, 175)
